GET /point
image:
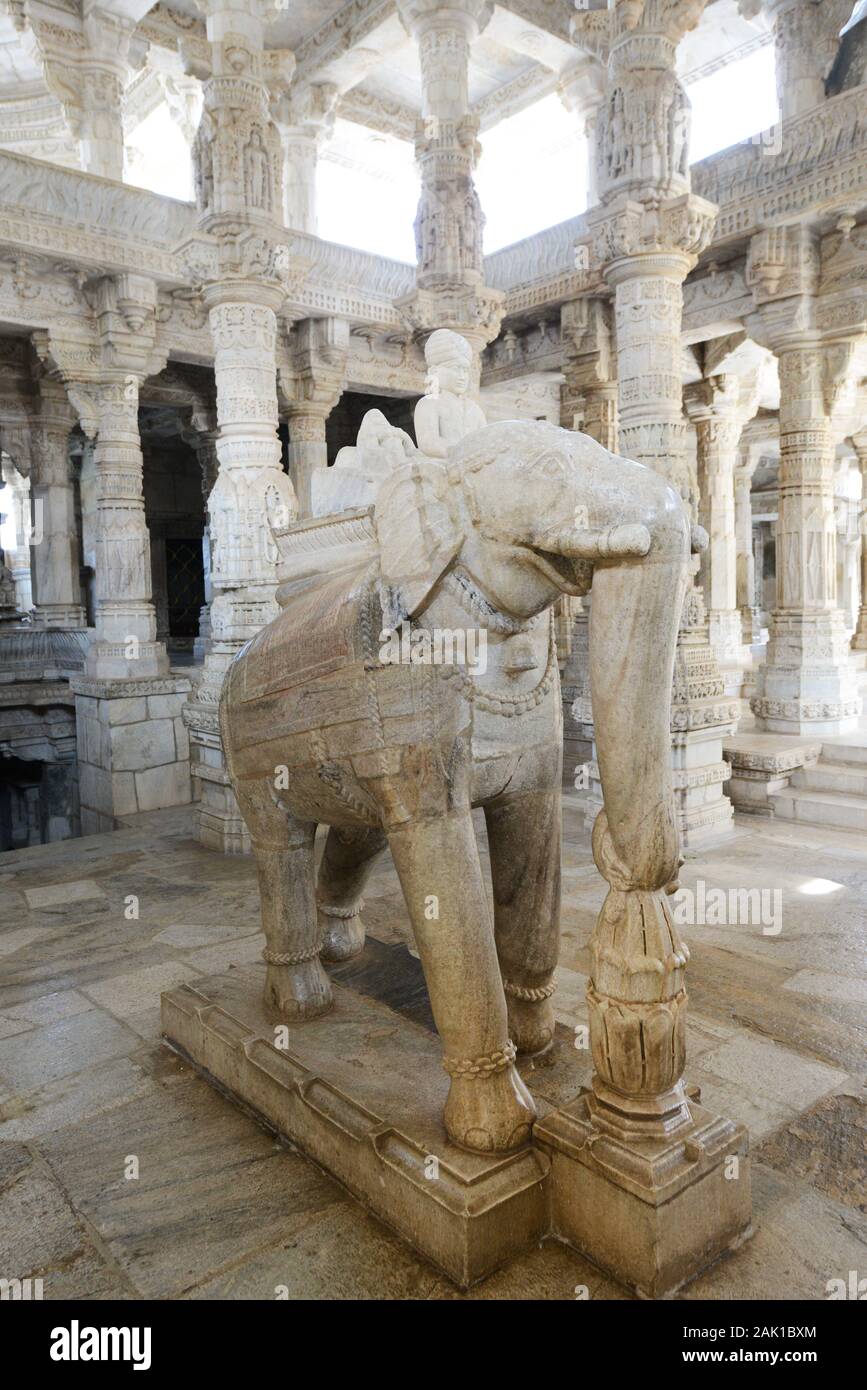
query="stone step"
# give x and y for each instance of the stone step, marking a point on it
(852, 751)
(820, 808)
(846, 778)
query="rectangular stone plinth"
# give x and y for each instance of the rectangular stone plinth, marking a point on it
(361, 1092)
(761, 765)
(133, 749)
(653, 1214)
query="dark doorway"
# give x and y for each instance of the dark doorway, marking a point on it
(185, 585)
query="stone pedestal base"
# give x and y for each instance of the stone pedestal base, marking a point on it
(807, 685)
(704, 812)
(133, 751)
(761, 765)
(361, 1092)
(654, 1212)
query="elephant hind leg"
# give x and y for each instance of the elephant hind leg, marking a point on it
(349, 856)
(295, 983)
(524, 844)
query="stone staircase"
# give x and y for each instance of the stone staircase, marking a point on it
(831, 791)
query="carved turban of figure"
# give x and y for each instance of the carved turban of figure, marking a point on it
(445, 346)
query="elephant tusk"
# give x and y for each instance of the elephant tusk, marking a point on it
(632, 540)
(699, 539)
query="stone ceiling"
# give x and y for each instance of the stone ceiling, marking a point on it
(522, 54)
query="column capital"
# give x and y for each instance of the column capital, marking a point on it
(421, 16)
(632, 238)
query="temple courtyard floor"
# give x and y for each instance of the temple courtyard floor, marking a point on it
(93, 930)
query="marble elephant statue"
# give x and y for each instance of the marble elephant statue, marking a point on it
(323, 724)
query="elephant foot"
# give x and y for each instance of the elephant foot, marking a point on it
(531, 1024)
(342, 935)
(298, 992)
(488, 1111)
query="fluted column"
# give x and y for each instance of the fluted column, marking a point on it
(807, 685)
(859, 638)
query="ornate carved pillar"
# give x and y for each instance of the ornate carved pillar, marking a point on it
(450, 290)
(715, 407)
(132, 747)
(746, 567)
(15, 505)
(55, 567)
(101, 76)
(643, 1141)
(203, 440)
(589, 403)
(805, 42)
(647, 234)
(859, 638)
(125, 645)
(305, 120)
(582, 90)
(312, 383)
(237, 161)
(807, 685)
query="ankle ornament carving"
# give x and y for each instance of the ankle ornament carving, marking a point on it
(291, 957)
(342, 912)
(471, 1068)
(529, 995)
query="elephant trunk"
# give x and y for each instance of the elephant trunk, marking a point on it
(636, 994)
(633, 633)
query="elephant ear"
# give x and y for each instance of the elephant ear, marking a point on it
(418, 536)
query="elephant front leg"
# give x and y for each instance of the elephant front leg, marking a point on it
(295, 983)
(349, 856)
(488, 1109)
(524, 841)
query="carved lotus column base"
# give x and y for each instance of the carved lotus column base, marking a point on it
(652, 1212)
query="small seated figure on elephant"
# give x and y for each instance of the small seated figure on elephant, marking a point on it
(442, 417)
(316, 729)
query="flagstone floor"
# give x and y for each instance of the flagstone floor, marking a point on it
(93, 930)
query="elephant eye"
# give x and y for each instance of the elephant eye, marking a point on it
(549, 465)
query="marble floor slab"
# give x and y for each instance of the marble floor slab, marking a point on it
(212, 1208)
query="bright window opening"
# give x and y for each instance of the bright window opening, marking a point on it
(158, 157)
(367, 192)
(738, 101)
(532, 174)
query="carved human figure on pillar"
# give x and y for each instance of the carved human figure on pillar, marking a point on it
(257, 181)
(446, 414)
